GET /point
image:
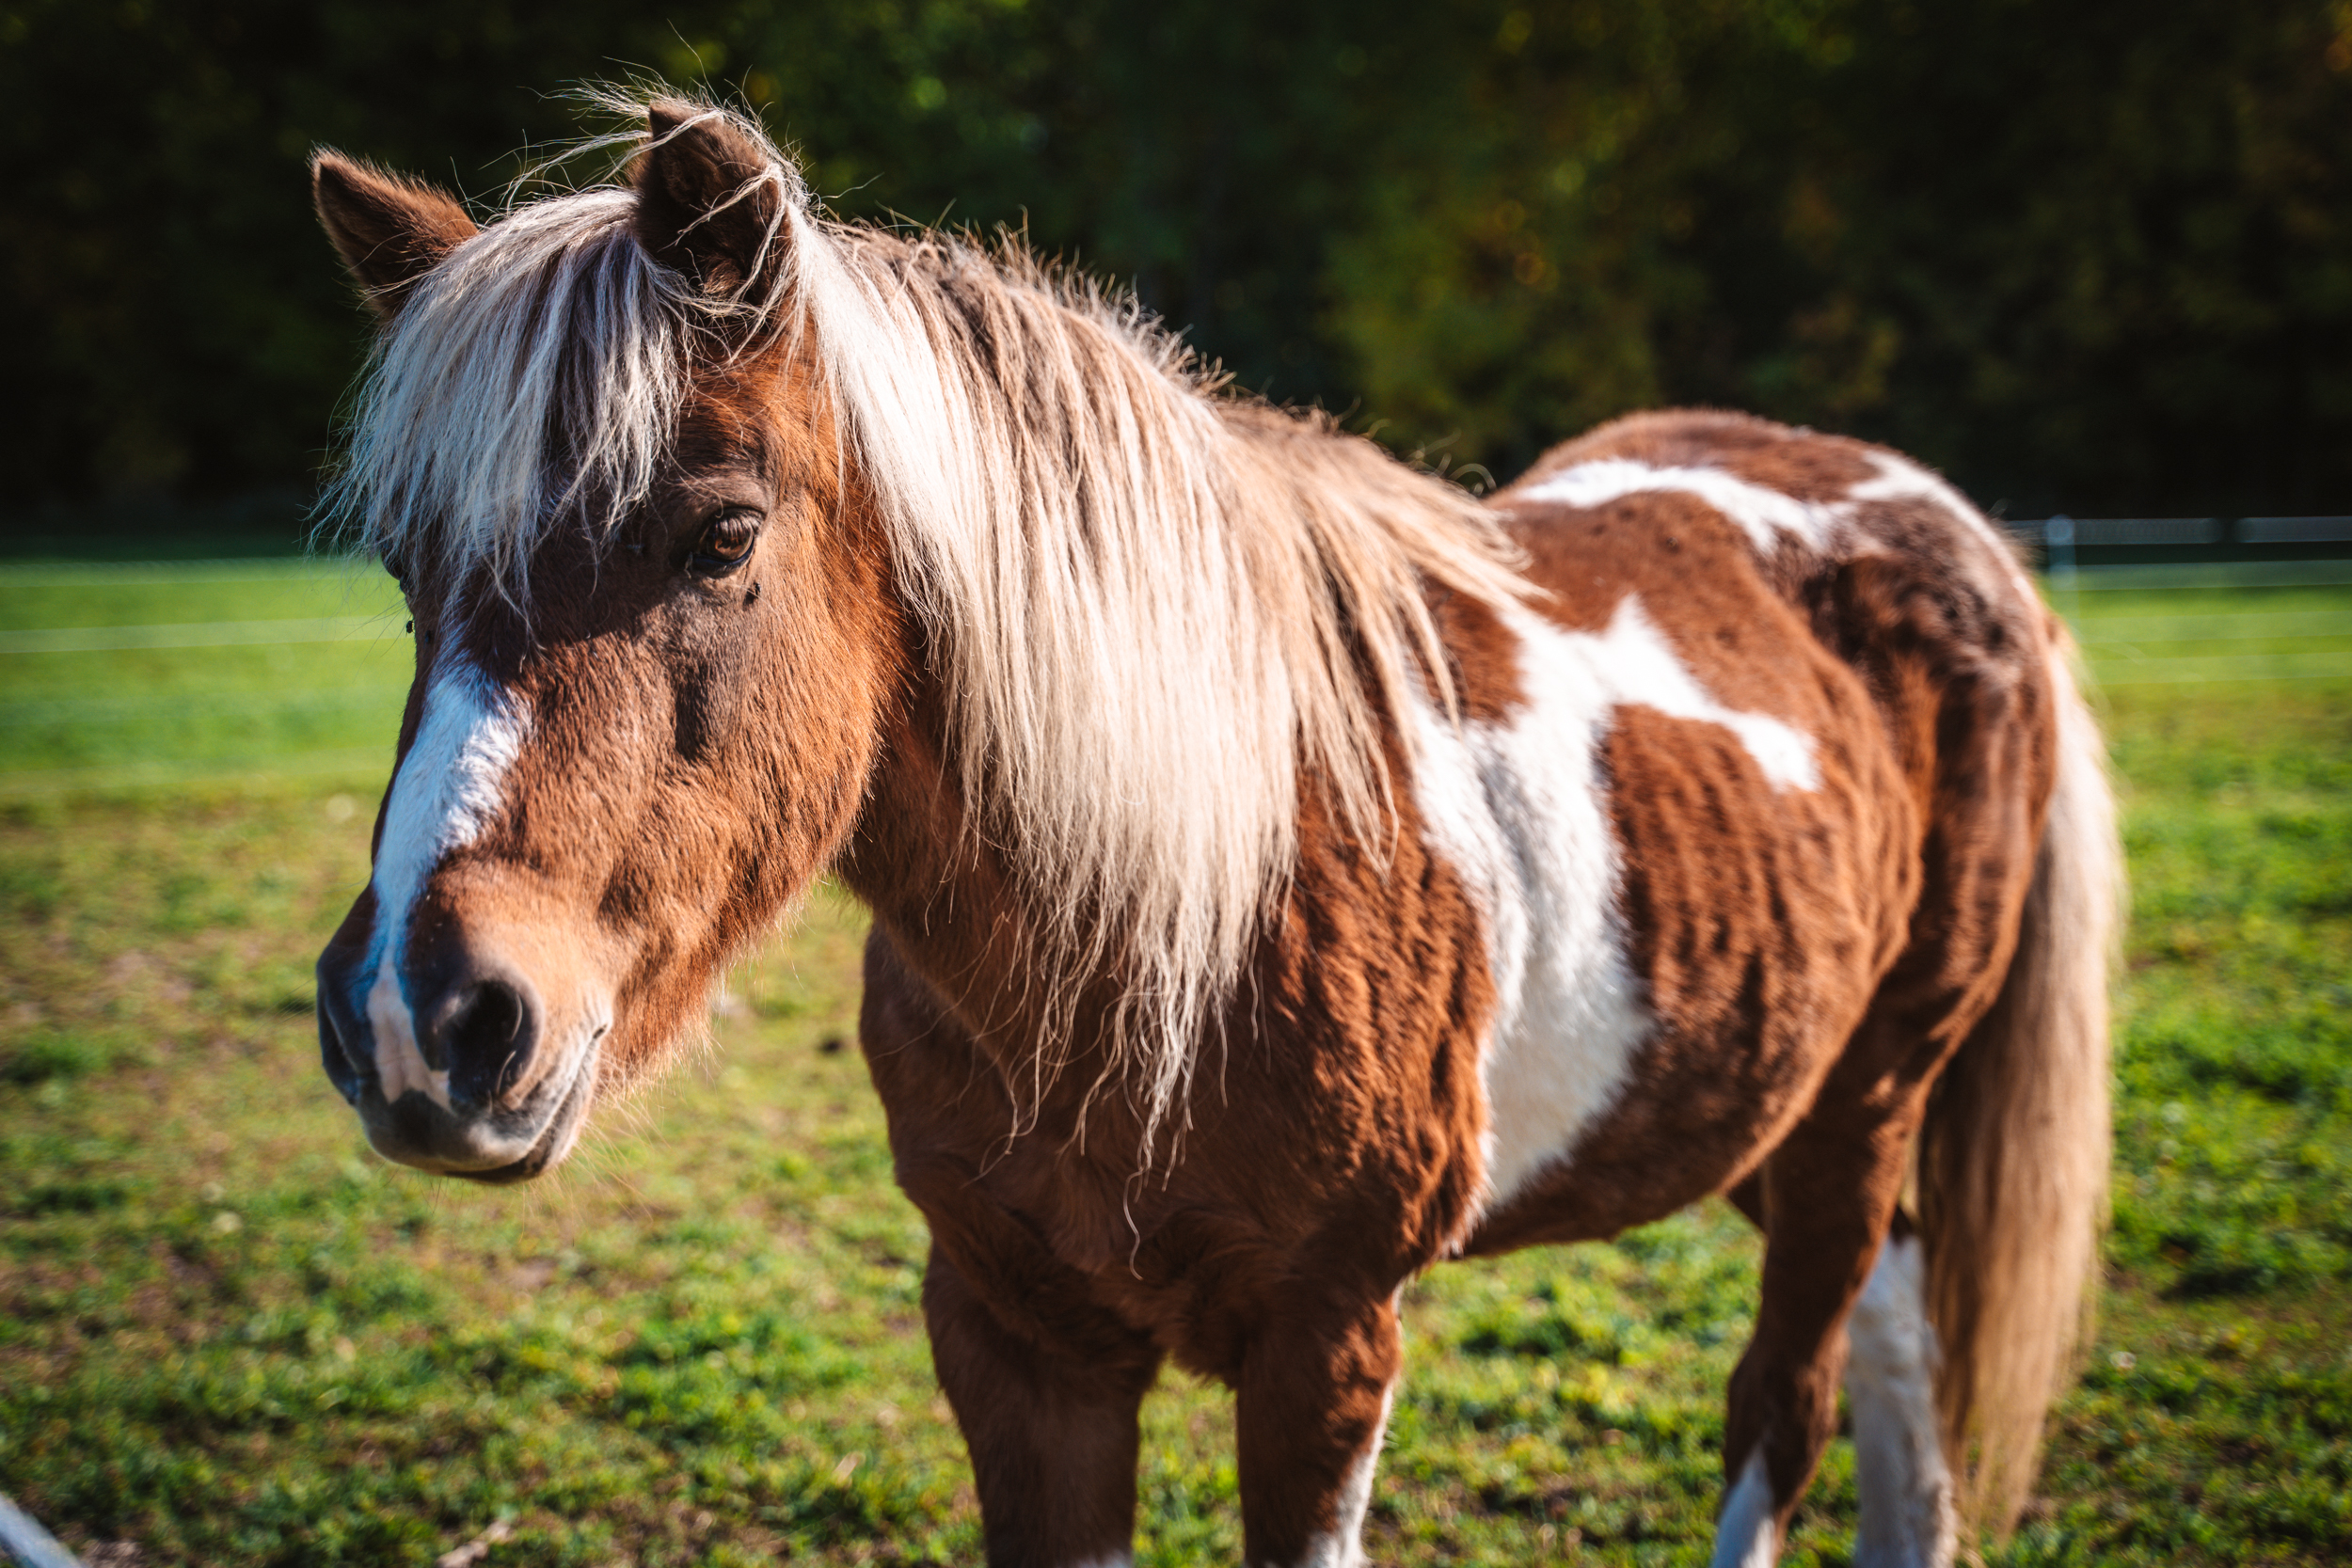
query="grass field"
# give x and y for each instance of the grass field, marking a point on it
(230, 1335)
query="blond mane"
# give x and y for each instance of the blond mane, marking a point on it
(1157, 610)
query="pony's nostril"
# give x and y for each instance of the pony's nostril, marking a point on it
(484, 1041)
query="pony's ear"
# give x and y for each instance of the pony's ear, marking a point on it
(391, 231)
(708, 196)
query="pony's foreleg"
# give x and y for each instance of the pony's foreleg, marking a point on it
(1050, 1423)
(1828, 1196)
(1310, 1406)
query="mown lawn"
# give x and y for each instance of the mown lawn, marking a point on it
(230, 1335)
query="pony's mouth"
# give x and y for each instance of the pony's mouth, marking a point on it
(497, 1147)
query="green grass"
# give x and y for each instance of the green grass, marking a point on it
(125, 715)
(231, 1336)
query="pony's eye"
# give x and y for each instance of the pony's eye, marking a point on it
(726, 542)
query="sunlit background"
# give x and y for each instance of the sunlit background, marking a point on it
(2092, 259)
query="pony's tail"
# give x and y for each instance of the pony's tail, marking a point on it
(2014, 1155)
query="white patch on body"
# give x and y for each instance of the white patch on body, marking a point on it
(1517, 808)
(448, 786)
(1344, 1546)
(1906, 1491)
(1761, 513)
(1900, 480)
(1745, 1536)
(1766, 515)
(1638, 665)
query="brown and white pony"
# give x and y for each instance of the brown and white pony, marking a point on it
(1287, 871)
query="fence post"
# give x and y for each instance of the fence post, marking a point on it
(2057, 538)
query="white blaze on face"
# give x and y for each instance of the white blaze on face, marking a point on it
(1518, 808)
(449, 784)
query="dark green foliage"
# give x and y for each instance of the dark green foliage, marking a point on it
(2084, 255)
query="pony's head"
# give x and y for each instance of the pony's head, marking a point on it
(727, 530)
(654, 631)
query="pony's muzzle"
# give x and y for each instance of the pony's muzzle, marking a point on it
(342, 1036)
(454, 1059)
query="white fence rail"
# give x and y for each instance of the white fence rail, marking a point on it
(2133, 640)
(2057, 538)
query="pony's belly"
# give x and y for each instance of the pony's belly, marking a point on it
(1753, 936)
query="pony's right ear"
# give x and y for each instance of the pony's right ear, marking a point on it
(391, 231)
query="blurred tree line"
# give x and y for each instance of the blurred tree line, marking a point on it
(2083, 254)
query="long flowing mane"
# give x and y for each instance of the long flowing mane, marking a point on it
(1157, 609)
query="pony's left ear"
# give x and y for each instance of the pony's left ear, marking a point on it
(710, 196)
(390, 231)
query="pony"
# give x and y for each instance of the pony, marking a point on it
(1288, 871)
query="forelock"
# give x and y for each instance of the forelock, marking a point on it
(532, 381)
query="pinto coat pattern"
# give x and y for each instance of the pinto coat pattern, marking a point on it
(1287, 871)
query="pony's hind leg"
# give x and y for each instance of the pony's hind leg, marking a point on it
(1906, 1488)
(1829, 1193)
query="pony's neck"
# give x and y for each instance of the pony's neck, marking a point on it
(1151, 613)
(953, 906)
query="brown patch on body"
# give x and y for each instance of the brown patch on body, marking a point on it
(1332, 1147)
(1760, 917)
(1814, 960)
